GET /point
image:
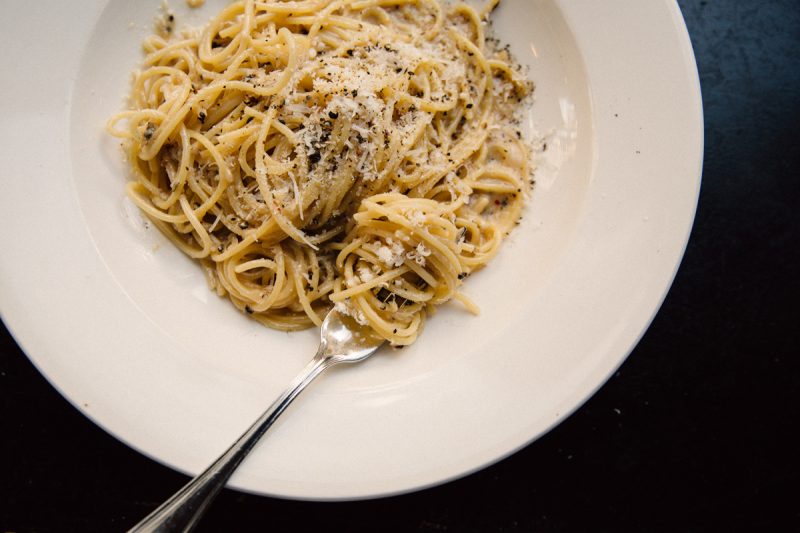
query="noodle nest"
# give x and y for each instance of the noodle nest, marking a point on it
(359, 154)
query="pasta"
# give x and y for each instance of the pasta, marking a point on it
(357, 154)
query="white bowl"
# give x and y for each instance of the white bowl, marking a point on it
(124, 326)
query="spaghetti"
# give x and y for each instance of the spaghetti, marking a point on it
(361, 154)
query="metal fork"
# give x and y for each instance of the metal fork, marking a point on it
(342, 340)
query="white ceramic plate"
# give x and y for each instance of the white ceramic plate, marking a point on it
(125, 328)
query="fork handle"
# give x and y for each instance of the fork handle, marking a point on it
(183, 510)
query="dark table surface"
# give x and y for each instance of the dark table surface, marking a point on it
(693, 433)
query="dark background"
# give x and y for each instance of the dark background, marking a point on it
(694, 433)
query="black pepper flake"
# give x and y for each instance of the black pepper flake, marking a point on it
(314, 157)
(248, 309)
(202, 117)
(349, 52)
(333, 114)
(149, 131)
(462, 275)
(220, 248)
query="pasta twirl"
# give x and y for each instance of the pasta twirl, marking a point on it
(361, 154)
